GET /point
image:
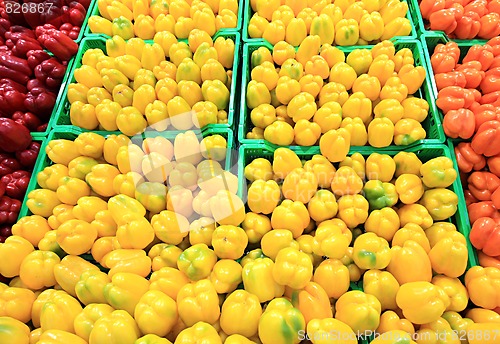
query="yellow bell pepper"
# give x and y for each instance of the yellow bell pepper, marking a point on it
(58, 312)
(407, 163)
(263, 196)
(76, 236)
(273, 241)
(116, 326)
(49, 177)
(482, 285)
(70, 190)
(346, 32)
(127, 260)
(122, 94)
(90, 286)
(292, 268)
(96, 95)
(317, 66)
(290, 215)
(112, 78)
(323, 26)
(302, 106)
(299, 185)
(346, 182)
(394, 88)
(357, 162)
(409, 188)
(481, 315)
(383, 222)
(410, 254)
(330, 240)
(380, 132)
(340, 139)
(258, 279)
(281, 323)
(62, 151)
(322, 331)
(102, 25)
(42, 202)
(216, 92)
(426, 308)
(37, 269)
(111, 146)
(357, 129)
(67, 273)
(441, 203)
(312, 301)
(245, 306)
(389, 108)
(31, 228)
(359, 310)
(413, 232)
(455, 290)
(138, 233)
(88, 76)
(201, 331)
(152, 339)
(197, 261)
(390, 321)
(130, 120)
(379, 194)
(371, 26)
(164, 255)
(412, 77)
(125, 290)
(198, 301)
(332, 268)
(383, 285)
(227, 208)
(328, 116)
(415, 108)
(357, 106)
(366, 84)
(438, 173)
(100, 179)
(284, 161)
(380, 167)
(382, 68)
(123, 27)
(279, 133)
(144, 26)
(16, 302)
(156, 313)
(371, 252)
(87, 208)
(448, 256)
(12, 252)
(14, 331)
(229, 242)
(353, 210)
(407, 131)
(169, 281)
(141, 77)
(322, 206)
(226, 276)
(396, 27)
(415, 213)
(84, 322)
(81, 166)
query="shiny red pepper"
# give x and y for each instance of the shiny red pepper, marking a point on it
(468, 25)
(482, 209)
(12, 96)
(486, 141)
(13, 136)
(56, 42)
(15, 68)
(481, 53)
(473, 73)
(77, 13)
(9, 210)
(484, 113)
(16, 184)
(491, 81)
(454, 98)
(40, 101)
(28, 157)
(69, 30)
(459, 123)
(483, 184)
(468, 159)
(455, 78)
(53, 12)
(8, 164)
(469, 199)
(28, 119)
(485, 236)
(21, 42)
(35, 57)
(51, 73)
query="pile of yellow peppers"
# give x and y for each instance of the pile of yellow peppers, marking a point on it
(144, 18)
(318, 94)
(340, 22)
(164, 84)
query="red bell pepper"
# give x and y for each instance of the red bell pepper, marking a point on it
(454, 98)
(491, 81)
(2, 188)
(487, 139)
(21, 42)
(40, 101)
(468, 26)
(13, 136)
(28, 157)
(69, 30)
(15, 68)
(477, 6)
(495, 198)
(482, 209)
(485, 236)
(57, 42)
(29, 120)
(77, 13)
(8, 164)
(459, 123)
(492, 98)
(9, 210)
(455, 78)
(484, 113)
(443, 62)
(35, 57)
(427, 7)
(468, 159)
(52, 12)
(490, 25)
(481, 53)
(483, 184)
(16, 184)
(469, 198)
(51, 73)
(494, 43)
(446, 20)
(11, 96)
(488, 261)
(494, 165)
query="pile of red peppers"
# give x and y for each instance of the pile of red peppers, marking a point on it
(18, 154)
(35, 48)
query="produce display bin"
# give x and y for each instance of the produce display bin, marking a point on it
(84, 26)
(248, 13)
(423, 27)
(432, 124)
(94, 11)
(425, 152)
(72, 133)
(62, 119)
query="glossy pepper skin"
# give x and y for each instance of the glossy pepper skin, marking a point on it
(428, 307)
(292, 268)
(371, 251)
(484, 235)
(383, 285)
(90, 286)
(16, 302)
(258, 279)
(116, 326)
(241, 303)
(155, 313)
(312, 301)
(379, 194)
(58, 312)
(13, 251)
(353, 210)
(67, 273)
(280, 314)
(482, 285)
(198, 332)
(438, 172)
(41, 262)
(14, 331)
(359, 310)
(198, 301)
(411, 253)
(125, 290)
(390, 321)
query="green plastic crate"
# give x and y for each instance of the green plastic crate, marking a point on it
(84, 27)
(72, 133)
(59, 99)
(62, 118)
(425, 152)
(429, 42)
(95, 12)
(432, 124)
(423, 26)
(248, 13)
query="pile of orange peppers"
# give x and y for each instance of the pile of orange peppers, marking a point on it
(319, 94)
(469, 96)
(463, 19)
